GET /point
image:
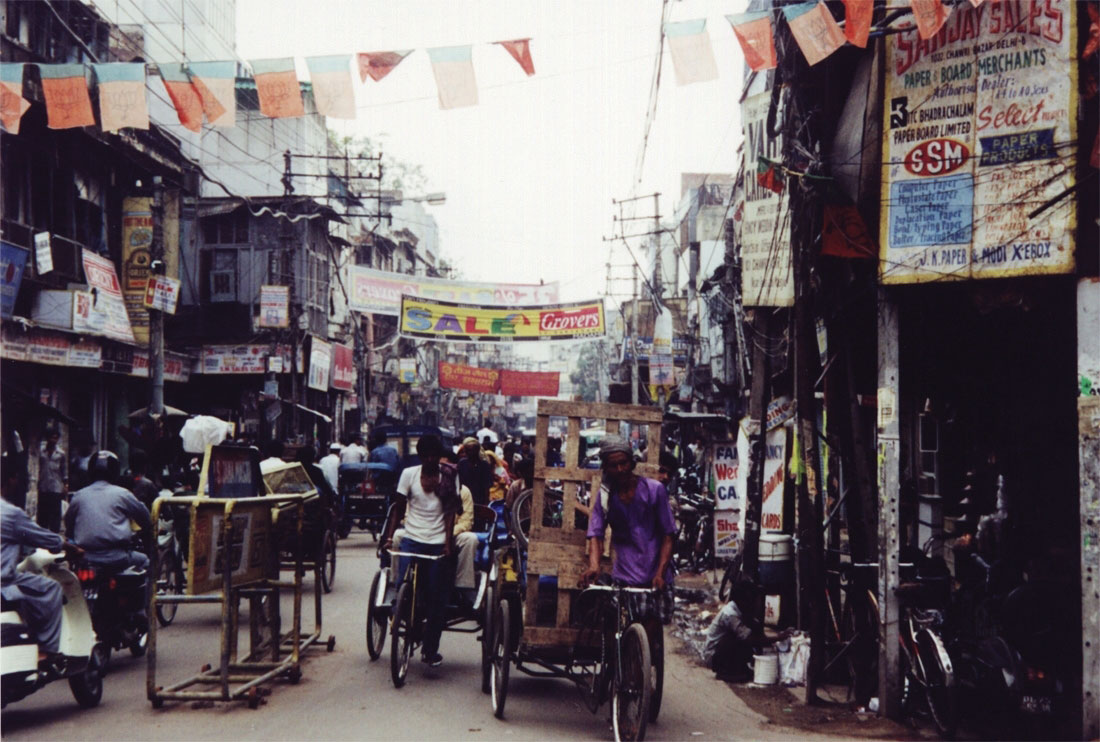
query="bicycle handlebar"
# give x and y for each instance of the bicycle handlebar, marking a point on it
(624, 588)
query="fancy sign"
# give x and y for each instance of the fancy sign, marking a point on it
(469, 323)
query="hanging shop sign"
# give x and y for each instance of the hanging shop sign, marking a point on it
(162, 293)
(43, 253)
(529, 383)
(85, 354)
(343, 367)
(980, 132)
(102, 310)
(468, 378)
(243, 359)
(724, 476)
(48, 349)
(771, 506)
(14, 344)
(780, 412)
(681, 344)
(450, 321)
(320, 364)
(727, 533)
(767, 279)
(379, 292)
(137, 239)
(13, 259)
(274, 307)
(406, 371)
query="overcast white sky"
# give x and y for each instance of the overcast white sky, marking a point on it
(530, 172)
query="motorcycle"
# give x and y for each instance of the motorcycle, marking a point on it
(694, 546)
(85, 659)
(116, 600)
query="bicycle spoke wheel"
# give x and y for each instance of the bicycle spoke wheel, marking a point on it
(488, 613)
(328, 561)
(401, 635)
(657, 663)
(940, 697)
(168, 583)
(376, 620)
(859, 637)
(630, 691)
(521, 518)
(502, 657)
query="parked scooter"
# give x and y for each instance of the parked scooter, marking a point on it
(694, 546)
(84, 659)
(117, 600)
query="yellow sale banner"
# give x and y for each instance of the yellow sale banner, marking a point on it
(470, 323)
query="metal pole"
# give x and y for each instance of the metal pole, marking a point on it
(156, 317)
(889, 472)
(634, 341)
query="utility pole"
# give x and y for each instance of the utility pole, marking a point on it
(286, 235)
(634, 340)
(156, 317)
(657, 288)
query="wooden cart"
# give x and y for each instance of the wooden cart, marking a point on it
(539, 627)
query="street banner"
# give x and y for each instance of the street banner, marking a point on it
(320, 364)
(470, 378)
(692, 55)
(468, 323)
(274, 306)
(930, 16)
(244, 359)
(767, 279)
(754, 34)
(65, 89)
(103, 312)
(12, 103)
(379, 292)
(332, 92)
(343, 367)
(529, 383)
(137, 241)
(185, 96)
(13, 260)
(162, 294)
(121, 87)
(857, 21)
(980, 131)
(724, 473)
(379, 64)
(216, 83)
(520, 49)
(453, 67)
(277, 87)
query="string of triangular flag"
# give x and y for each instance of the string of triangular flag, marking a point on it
(207, 90)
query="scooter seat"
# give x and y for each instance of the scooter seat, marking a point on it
(12, 634)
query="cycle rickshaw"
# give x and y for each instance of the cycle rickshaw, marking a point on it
(546, 623)
(365, 491)
(396, 609)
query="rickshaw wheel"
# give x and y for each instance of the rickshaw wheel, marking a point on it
(630, 693)
(657, 662)
(376, 620)
(328, 561)
(498, 680)
(488, 610)
(401, 635)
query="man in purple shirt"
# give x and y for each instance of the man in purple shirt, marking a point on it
(642, 526)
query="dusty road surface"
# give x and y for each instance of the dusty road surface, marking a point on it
(343, 695)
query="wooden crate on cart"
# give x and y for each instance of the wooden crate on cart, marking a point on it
(558, 549)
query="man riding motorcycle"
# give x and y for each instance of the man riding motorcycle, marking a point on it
(99, 518)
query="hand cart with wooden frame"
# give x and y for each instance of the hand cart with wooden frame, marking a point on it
(560, 641)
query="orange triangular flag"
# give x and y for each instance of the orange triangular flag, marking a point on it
(12, 103)
(520, 49)
(857, 21)
(379, 64)
(277, 87)
(930, 16)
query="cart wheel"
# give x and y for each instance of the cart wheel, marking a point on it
(502, 658)
(376, 620)
(253, 699)
(657, 676)
(328, 561)
(158, 703)
(169, 582)
(488, 610)
(630, 691)
(294, 675)
(521, 518)
(331, 644)
(401, 635)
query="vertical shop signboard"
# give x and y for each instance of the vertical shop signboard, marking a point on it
(320, 364)
(137, 241)
(104, 311)
(13, 259)
(728, 498)
(980, 132)
(767, 279)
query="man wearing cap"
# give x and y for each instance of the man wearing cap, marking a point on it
(642, 529)
(475, 472)
(330, 466)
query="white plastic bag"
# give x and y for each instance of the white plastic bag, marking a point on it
(794, 656)
(202, 431)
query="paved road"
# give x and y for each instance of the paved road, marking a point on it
(345, 696)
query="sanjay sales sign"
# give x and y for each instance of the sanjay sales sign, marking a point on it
(469, 323)
(980, 130)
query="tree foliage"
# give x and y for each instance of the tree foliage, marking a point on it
(586, 379)
(396, 174)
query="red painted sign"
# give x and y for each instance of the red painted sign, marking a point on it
(529, 383)
(343, 367)
(470, 378)
(936, 157)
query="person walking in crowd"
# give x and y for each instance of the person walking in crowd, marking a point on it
(330, 465)
(475, 472)
(429, 501)
(143, 488)
(353, 453)
(53, 481)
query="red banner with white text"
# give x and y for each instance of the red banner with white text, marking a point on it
(529, 383)
(470, 378)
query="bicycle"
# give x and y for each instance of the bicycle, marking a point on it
(610, 661)
(407, 626)
(853, 637)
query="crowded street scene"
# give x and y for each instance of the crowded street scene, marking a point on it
(550, 370)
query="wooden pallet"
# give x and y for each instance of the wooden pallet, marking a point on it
(561, 551)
